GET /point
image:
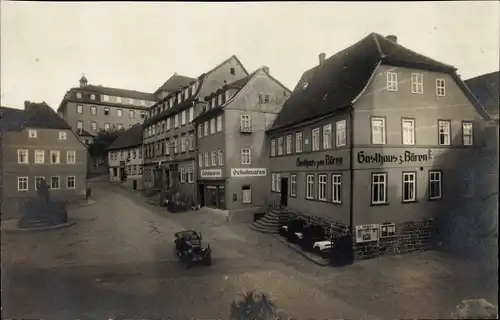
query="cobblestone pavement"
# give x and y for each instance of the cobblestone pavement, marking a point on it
(118, 260)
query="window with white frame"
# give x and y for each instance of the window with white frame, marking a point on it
(408, 127)
(167, 147)
(119, 112)
(39, 156)
(55, 182)
(435, 181)
(417, 83)
(378, 130)
(183, 118)
(315, 139)
(70, 182)
(22, 156)
(310, 186)
(32, 133)
(213, 155)
(212, 126)
(105, 97)
(440, 87)
(280, 146)
(183, 144)
(219, 123)
(273, 181)
(79, 109)
(175, 145)
(246, 156)
(70, 156)
(38, 182)
(183, 174)
(176, 121)
(245, 123)
(246, 194)
(205, 128)
(168, 123)
(379, 188)
(207, 159)
(200, 160)
(93, 110)
(22, 183)
(340, 133)
(298, 142)
(409, 186)
(62, 135)
(106, 111)
(444, 132)
(220, 157)
(467, 133)
(289, 144)
(273, 147)
(278, 182)
(79, 95)
(191, 114)
(79, 125)
(392, 81)
(293, 185)
(336, 188)
(190, 175)
(106, 126)
(200, 131)
(322, 187)
(327, 136)
(192, 140)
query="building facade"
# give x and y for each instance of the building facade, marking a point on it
(382, 150)
(89, 109)
(125, 160)
(38, 144)
(169, 133)
(232, 151)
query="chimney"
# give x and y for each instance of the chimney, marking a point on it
(322, 57)
(265, 68)
(392, 38)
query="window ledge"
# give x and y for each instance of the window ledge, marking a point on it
(409, 201)
(379, 204)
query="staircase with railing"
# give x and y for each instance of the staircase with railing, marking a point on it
(272, 221)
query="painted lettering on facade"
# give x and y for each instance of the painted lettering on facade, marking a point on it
(328, 161)
(406, 157)
(211, 173)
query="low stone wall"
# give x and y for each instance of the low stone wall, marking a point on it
(409, 237)
(11, 208)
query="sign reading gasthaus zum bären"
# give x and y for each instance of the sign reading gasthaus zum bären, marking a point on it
(211, 173)
(248, 172)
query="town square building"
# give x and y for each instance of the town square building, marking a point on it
(378, 139)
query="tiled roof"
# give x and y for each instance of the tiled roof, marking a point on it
(341, 78)
(486, 89)
(84, 133)
(175, 82)
(34, 115)
(129, 138)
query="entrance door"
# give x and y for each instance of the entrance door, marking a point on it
(157, 180)
(221, 198)
(201, 194)
(284, 192)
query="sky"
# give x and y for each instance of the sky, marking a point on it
(46, 47)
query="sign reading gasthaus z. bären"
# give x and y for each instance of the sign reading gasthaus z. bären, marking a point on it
(248, 172)
(211, 173)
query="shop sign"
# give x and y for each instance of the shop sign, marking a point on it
(211, 173)
(248, 172)
(327, 161)
(367, 233)
(406, 157)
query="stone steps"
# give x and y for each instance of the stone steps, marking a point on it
(271, 222)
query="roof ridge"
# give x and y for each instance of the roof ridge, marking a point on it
(377, 43)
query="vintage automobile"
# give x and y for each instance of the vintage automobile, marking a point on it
(189, 249)
(292, 230)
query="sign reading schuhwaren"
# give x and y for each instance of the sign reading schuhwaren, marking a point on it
(328, 161)
(211, 173)
(406, 157)
(248, 172)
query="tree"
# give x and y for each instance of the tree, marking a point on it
(255, 306)
(99, 148)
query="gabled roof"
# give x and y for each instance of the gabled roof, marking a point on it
(129, 138)
(34, 115)
(175, 82)
(341, 78)
(486, 89)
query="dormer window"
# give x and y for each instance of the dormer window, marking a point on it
(179, 97)
(79, 95)
(119, 99)
(220, 99)
(92, 96)
(193, 89)
(186, 94)
(32, 133)
(131, 101)
(226, 95)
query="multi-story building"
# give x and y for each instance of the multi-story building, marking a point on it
(169, 135)
(378, 139)
(125, 159)
(37, 144)
(485, 88)
(90, 108)
(231, 140)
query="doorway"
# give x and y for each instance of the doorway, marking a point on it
(284, 192)
(134, 185)
(201, 194)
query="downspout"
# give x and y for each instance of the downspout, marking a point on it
(351, 170)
